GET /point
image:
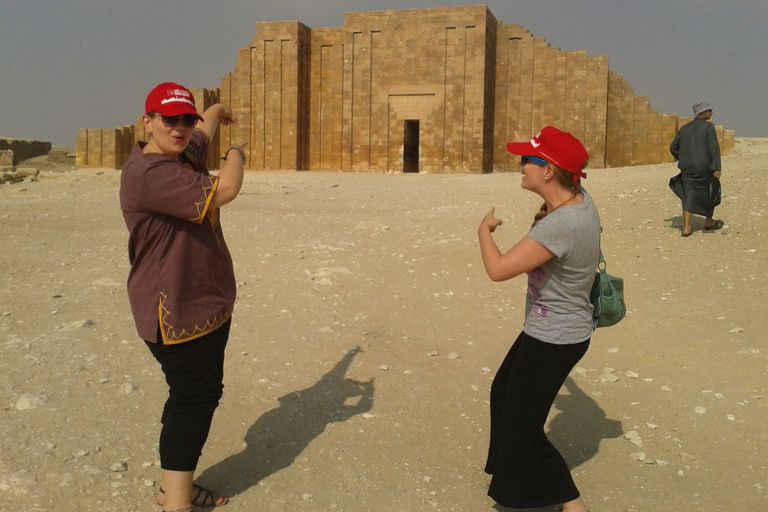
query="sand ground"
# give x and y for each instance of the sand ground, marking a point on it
(365, 338)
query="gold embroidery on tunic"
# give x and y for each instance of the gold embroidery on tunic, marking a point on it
(171, 337)
(202, 206)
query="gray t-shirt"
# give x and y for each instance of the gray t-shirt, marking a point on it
(557, 306)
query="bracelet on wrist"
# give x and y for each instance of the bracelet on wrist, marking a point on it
(242, 153)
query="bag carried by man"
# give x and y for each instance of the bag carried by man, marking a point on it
(607, 296)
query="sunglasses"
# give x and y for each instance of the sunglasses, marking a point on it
(187, 120)
(533, 159)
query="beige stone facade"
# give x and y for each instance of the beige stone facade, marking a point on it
(424, 90)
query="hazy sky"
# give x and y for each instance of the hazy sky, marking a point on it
(72, 64)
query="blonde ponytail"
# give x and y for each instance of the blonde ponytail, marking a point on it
(540, 214)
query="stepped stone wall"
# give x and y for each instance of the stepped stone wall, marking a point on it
(423, 90)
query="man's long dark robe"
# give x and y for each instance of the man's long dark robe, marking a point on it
(698, 154)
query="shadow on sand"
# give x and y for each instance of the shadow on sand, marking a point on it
(279, 436)
(576, 432)
(580, 426)
(697, 223)
(676, 222)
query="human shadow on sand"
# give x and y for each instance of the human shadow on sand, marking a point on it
(580, 426)
(279, 436)
(697, 223)
(676, 222)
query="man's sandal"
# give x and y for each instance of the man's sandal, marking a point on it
(718, 224)
(185, 509)
(204, 498)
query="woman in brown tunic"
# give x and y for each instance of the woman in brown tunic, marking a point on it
(181, 284)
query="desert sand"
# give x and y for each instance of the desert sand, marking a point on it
(365, 338)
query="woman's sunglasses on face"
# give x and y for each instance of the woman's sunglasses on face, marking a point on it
(533, 160)
(187, 120)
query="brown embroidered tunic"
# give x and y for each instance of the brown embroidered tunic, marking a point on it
(182, 283)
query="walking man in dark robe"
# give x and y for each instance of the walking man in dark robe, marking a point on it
(698, 155)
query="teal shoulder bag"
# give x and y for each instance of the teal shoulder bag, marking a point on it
(607, 296)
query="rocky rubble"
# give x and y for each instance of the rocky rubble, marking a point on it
(15, 170)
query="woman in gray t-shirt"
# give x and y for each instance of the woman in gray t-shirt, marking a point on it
(559, 255)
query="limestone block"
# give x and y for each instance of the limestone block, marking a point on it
(719, 130)
(61, 155)
(640, 131)
(140, 133)
(507, 99)
(654, 144)
(729, 141)
(627, 124)
(613, 148)
(539, 96)
(272, 108)
(525, 123)
(575, 94)
(9, 175)
(108, 145)
(559, 92)
(94, 147)
(596, 128)
(81, 148)
(125, 138)
(18, 174)
(24, 149)
(240, 99)
(668, 132)
(551, 107)
(6, 157)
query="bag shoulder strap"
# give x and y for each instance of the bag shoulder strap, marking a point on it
(601, 260)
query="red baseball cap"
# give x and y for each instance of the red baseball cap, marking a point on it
(170, 99)
(556, 147)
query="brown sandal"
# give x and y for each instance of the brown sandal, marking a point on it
(204, 498)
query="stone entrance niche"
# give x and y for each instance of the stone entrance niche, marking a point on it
(415, 130)
(411, 145)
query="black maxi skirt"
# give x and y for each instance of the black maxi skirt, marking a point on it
(528, 471)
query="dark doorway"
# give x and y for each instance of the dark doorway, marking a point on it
(411, 145)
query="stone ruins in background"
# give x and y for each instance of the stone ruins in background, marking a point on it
(423, 90)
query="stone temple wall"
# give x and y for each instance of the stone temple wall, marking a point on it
(423, 90)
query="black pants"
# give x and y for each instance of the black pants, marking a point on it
(528, 471)
(194, 371)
